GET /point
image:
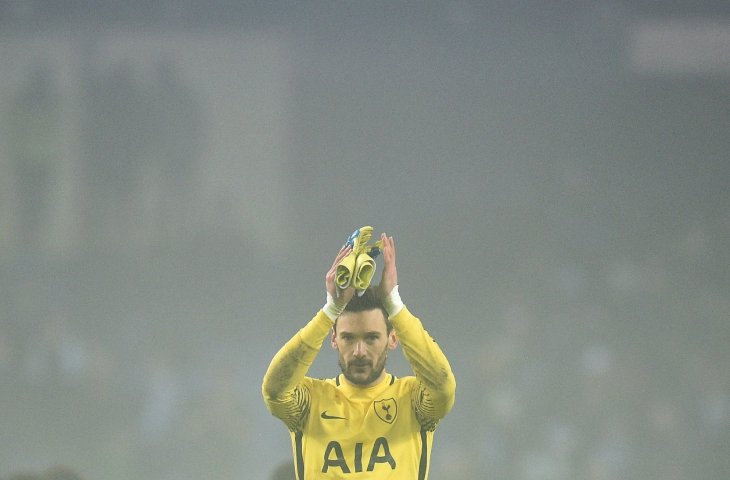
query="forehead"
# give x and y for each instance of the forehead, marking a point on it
(359, 322)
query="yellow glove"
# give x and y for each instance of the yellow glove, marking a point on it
(345, 269)
(364, 270)
(358, 267)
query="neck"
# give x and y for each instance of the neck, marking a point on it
(378, 380)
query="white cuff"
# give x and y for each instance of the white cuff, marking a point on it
(392, 303)
(332, 309)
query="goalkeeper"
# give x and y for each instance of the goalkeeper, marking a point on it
(365, 423)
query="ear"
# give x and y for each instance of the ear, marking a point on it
(392, 340)
(333, 339)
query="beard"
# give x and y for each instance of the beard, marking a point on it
(350, 370)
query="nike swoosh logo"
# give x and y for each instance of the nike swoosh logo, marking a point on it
(331, 417)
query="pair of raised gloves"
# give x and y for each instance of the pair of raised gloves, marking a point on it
(358, 267)
(357, 270)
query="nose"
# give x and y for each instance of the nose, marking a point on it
(359, 350)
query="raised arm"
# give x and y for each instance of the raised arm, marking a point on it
(436, 389)
(283, 387)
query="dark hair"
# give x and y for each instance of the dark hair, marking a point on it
(369, 300)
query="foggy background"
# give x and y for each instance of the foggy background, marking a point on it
(177, 176)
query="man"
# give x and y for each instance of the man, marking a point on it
(364, 423)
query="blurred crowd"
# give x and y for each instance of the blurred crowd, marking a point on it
(109, 356)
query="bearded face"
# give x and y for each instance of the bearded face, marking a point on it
(363, 371)
(362, 342)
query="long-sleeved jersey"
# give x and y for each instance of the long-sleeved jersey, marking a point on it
(339, 430)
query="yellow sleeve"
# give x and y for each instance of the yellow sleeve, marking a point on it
(436, 390)
(285, 392)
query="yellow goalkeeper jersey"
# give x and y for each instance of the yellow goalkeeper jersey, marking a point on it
(343, 431)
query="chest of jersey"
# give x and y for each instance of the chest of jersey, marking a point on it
(372, 433)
